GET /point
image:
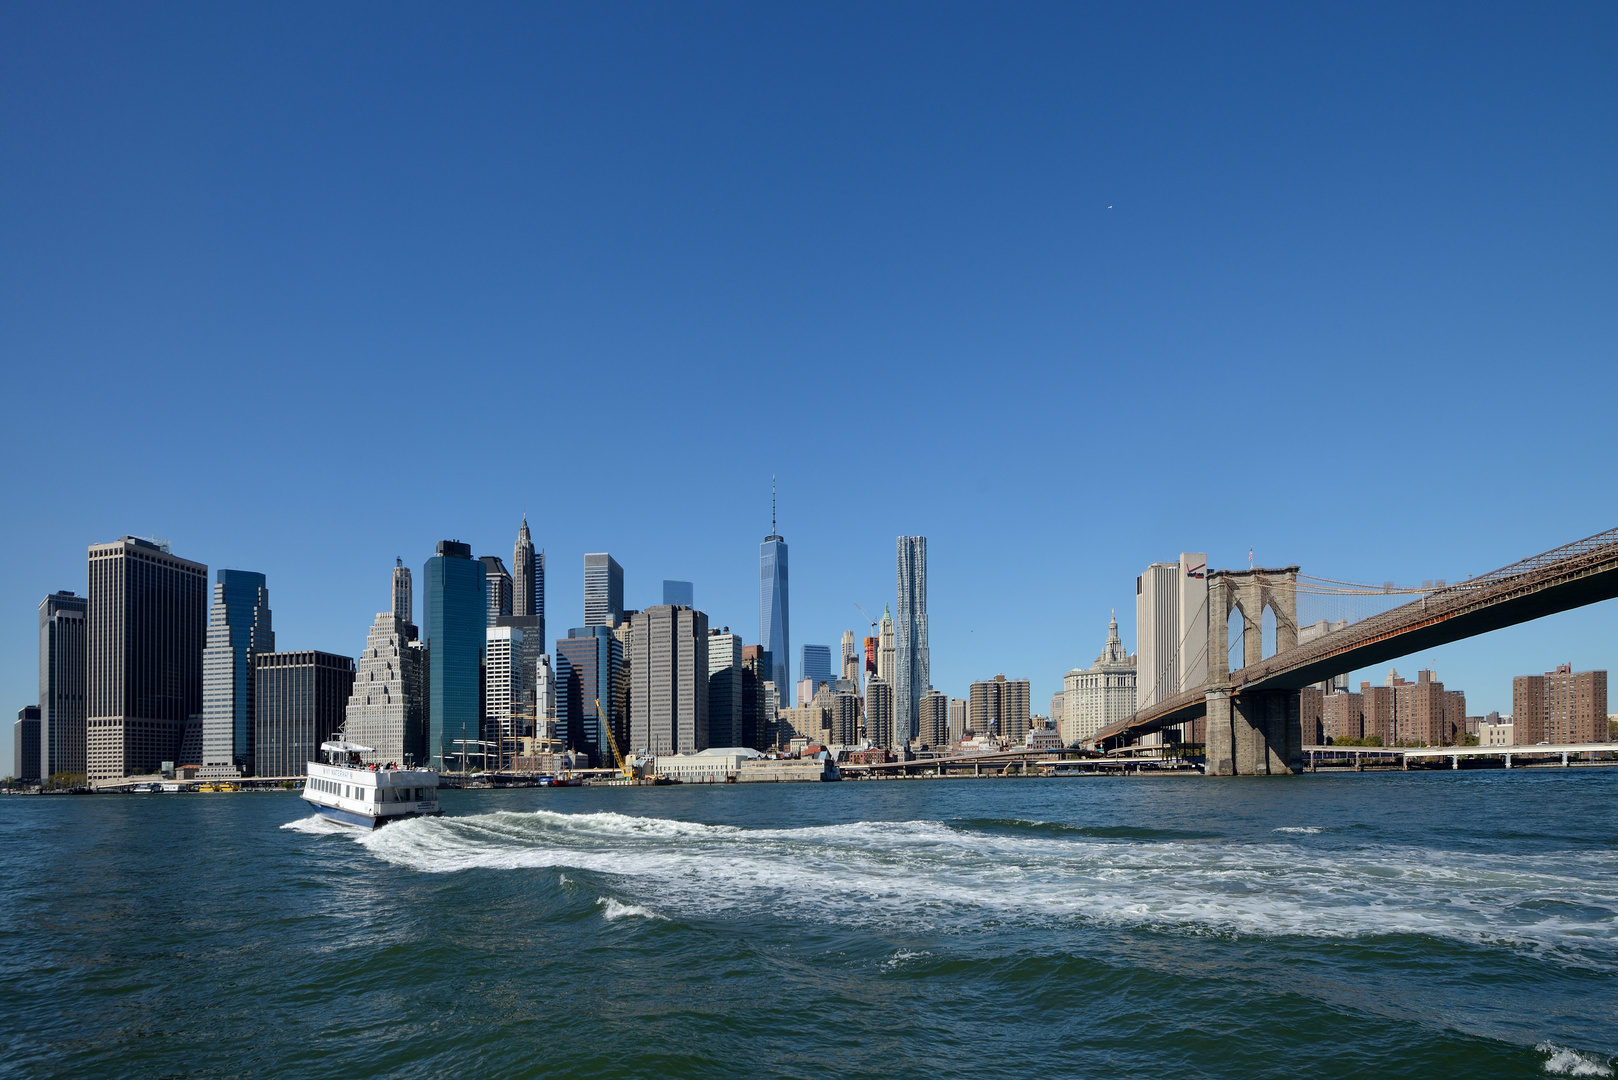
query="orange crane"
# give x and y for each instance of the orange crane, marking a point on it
(606, 728)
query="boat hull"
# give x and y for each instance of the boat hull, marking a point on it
(365, 821)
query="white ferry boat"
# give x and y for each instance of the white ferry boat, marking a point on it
(347, 790)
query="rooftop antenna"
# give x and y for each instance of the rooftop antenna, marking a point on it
(772, 504)
(398, 560)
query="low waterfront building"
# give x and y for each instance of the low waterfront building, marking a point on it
(1497, 734)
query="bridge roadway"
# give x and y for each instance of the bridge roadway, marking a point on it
(1574, 575)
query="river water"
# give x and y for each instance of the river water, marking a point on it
(1440, 924)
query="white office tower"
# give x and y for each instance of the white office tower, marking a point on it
(387, 709)
(544, 698)
(507, 669)
(1101, 695)
(1171, 628)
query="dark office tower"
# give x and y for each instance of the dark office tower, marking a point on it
(61, 685)
(756, 712)
(497, 587)
(774, 630)
(404, 606)
(814, 667)
(528, 581)
(726, 723)
(911, 675)
(669, 668)
(603, 590)
(588, 663)
(146, 623)
(456, 617)
(300, 699)
(238, 627)
(679, 593)
(25, 744)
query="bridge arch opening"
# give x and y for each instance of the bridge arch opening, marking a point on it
(1267, 631)
(1235, 627)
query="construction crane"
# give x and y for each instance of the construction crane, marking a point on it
(866, 617)
(606, 728)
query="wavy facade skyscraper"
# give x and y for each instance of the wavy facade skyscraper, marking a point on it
(911, 667)
(774, 632)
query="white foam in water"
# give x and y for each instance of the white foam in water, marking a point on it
(1306, 830)
(1565, 1062)
(616, 910)
(926, 874)
(316, 825)
(902, 957)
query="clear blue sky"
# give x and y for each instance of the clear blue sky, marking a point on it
(1066, 289)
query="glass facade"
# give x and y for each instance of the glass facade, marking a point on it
(815, 664)
(911, 673)
(603, 590)
(773, 620)
(238, 627)
(299, 702)
(455, 620)
(589, 665)
(679, 593)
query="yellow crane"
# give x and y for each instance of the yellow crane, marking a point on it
(606, 728)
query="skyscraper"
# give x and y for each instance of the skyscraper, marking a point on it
(146, 624)
(497, 589)
(681, 593)
(300, 700)
(814, 668)
(603, 590)
(387, 706)
(726, 725)
(509, 666)
(404, 606)
(851, 661)
(758, 692)
(456, 617)
(879, 719)
(669, 667)
(774, 622)
(911, 665)
(588, 667)
(884, 647)
(238, 627)
(528, 580)
(1171, 627)
(61, 684)
(27, 753)
(1100, 695)
(999, 706)
(934, 719)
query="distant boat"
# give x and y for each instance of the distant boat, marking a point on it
(345, 789)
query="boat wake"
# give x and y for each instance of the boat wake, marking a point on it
(961, 878)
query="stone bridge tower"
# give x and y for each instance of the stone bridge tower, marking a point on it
(1256, 733)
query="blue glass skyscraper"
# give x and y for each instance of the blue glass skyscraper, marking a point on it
(238, 628)
(681, 593)
(773, 624)
(455, 619)
(815, 664)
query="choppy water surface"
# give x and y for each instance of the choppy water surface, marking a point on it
(1408, 925)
